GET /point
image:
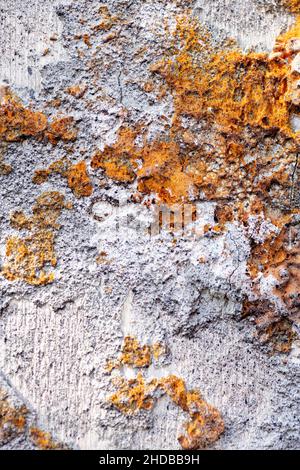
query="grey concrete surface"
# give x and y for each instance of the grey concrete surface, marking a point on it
(55, 339)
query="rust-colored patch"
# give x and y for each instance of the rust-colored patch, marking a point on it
(43, 440)
(28, 257)
(277, 332)
(12, 420)
(77, 90)
(205, 425)
(5, 168)
(230, 141)
(292, 5)
(136, 355)
(16, 121)
(61, 129)
(76, 174)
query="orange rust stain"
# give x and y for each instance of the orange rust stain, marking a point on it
(292, 5)
(238, 100)
(28, 257)
(205, 425)
(77, 90)
(135, 355)
(230, 140)
(76, 174)
(62, 129)
(12, 420)
(18, 122)
(43, 440)
(79, 181)
(119, 160)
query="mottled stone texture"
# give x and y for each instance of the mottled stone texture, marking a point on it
(93, 62)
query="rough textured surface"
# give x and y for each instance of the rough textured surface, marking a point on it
(75, 283)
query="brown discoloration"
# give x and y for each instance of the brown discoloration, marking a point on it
(28, 257)
(18, 122)
(272, 330)
(61, 129)
(43, 440)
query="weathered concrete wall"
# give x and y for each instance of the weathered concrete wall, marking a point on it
(185, 293)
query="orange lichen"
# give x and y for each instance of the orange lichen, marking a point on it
(79, 181)
(292, 5)
(133, 395)
(77, 90)
(12, 420)
(76, 174)
(205, 425)
(43, 440)
(119, 160)
(18, 122)
(231, 139)
(28, 257)
(236, 100)
(5, 168)
(61, 129)
(136, 355)
(107, 20)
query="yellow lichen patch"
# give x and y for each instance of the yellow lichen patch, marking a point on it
(5, 168)
(135, 355)
(28, 258)
(79, 181)
(205, 425)
(76, 174)
(292, 5)
(133, 395)
(12, 420)
(43, 440)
